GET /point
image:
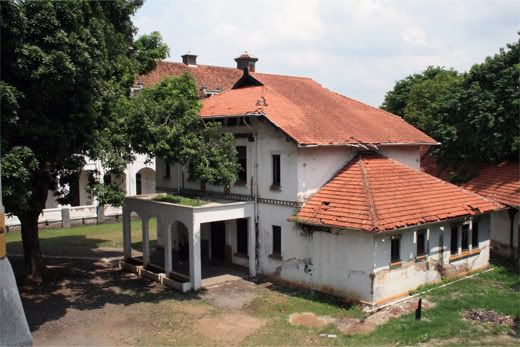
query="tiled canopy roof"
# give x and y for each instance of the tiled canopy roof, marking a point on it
(311, 114)
(499, 182)
(374, 193)
(206, 76)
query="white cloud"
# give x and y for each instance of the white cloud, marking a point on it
(358, 48)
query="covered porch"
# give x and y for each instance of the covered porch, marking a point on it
(196, 245)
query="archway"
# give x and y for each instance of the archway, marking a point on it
(145, 181)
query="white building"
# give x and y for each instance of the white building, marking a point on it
(330, 197)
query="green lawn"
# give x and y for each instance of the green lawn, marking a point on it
(83, 240)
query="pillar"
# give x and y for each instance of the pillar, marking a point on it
(251, 245)
(146, 244)
(100, 213)
(65, 217)
(127, 236)
(195, 266)
(168, 249)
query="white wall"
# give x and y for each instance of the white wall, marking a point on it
(317, 165)
(408, 155)
(501, 231)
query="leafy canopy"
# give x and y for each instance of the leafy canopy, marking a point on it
(474, 114)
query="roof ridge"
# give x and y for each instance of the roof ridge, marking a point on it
(368, 193)
(278, 75)
(199, 65)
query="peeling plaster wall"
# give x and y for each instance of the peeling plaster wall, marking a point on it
(500, 233)
(397, 281)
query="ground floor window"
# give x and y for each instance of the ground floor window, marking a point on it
(421, 243)
(242, 236)
(474, 234)
(277, 240)
(464, 240)
(395, 251)
(454, 240)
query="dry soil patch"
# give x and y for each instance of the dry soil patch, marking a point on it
(232, 295)
(310, 320)
(228, 328)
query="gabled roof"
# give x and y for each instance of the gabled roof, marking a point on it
(311, 114)
(206, 76)
(374, 193)
(500, 182)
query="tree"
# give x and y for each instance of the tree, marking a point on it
(64, 65)
(474, 115)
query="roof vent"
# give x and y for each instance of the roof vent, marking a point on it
(189, 59)
(245, 60)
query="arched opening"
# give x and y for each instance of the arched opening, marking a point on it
(180, 249)
(145, 181)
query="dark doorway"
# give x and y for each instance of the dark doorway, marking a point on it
(218, 240)
(138, 184)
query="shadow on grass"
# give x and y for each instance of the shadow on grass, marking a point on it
(86, 285)
(69, 245)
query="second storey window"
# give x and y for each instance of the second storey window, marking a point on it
(276, 170)
(454, 240)
(277, 240)
(474, 235)
(395, 248)
(242, 161)
(421, 243)
(464, 240)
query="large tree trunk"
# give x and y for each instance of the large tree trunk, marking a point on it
(34, 266)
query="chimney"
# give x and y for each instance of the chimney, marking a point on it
(189, 59)
(246, 61)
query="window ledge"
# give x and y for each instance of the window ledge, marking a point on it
(464, 254)
(396, 264)
(276, 256)
(420, 258)
(241, 255)
(275, 187)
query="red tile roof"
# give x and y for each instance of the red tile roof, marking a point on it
(311, 114)
(206, 76)
(499, 182)
(374, 193)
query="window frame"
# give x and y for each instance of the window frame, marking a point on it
(464, 238)
(276, 249)
(276, 170)
(421, 233)
(243, 165)
(475, 234)
(454, 236)
(395, 260)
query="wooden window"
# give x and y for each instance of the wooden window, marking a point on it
(395, 248)
(464, 242)
(421, 243)
(474, 235)
(242, 161)
(454, 240)
(277, 240)
(276, 170)
(242, 236)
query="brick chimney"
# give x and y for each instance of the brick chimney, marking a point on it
(189, 59)
(246, 60)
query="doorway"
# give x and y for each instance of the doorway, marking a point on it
(218, 240)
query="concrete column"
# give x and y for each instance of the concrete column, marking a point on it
(168, 249)
(195, 266)
(127, 236)
(251, 245)
(65, 217)
(146, 244)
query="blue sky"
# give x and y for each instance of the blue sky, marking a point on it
(357, 48)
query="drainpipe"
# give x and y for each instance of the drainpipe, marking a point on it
(14, 330)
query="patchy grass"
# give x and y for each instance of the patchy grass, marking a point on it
(83, 240)
(181, 200)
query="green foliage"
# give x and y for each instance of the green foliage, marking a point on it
(107, 194)
(163, 121)
(18, 165)
(64, 65)
(181, 200)
(474, 115)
